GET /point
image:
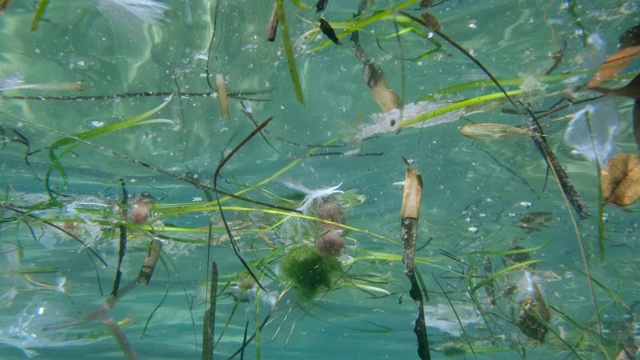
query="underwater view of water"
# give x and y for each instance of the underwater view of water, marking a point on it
(146, 144)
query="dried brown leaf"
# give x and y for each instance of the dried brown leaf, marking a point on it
(620, 179)
(636, 122)
(614, 64)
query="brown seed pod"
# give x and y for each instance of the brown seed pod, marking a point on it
(330, 210)
(330, 244)
(139, 212)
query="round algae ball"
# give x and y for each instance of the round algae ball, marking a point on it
(309, 270)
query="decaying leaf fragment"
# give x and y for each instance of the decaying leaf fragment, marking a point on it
(375, 78)
(620, 179)
(629, 49)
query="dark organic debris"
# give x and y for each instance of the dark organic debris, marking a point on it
(534, 221)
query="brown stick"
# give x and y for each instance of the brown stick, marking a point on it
(409, 229)
(222, 96)
(209, 321)
(272, 28)
(146, 271)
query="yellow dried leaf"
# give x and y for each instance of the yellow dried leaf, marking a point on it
(620, 179)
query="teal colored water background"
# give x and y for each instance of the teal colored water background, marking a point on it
(478, 198)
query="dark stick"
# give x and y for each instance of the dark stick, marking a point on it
(210, 316)
(272, 28)
(123, 240)
(409, 229)
(146, 271)
(244, 340)
(234, 245)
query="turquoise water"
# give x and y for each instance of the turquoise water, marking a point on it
(481, 198)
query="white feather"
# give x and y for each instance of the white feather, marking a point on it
(148, 11)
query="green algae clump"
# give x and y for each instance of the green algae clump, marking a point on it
(310, 271)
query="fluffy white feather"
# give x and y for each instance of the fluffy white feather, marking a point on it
(148, 11)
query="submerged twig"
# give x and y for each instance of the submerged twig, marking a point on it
(272, 28)
(234, 245)
(208, 327)
(146, 271)
(409, 229)
(222, 96)
(123, 240)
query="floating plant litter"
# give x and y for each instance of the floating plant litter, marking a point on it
(312, 180)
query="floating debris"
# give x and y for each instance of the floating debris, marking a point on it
(388, 122)
(534, 221)
(222, 96)
(326, 29)
(492, 131)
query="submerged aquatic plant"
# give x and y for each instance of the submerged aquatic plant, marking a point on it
(310, 270)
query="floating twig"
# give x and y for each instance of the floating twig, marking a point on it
(146, 271)
(272, 28)
(409, 228)
(123, 240)
(222, 96)
(234, 245)
(209, 322)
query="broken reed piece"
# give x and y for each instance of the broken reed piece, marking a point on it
(492, 131)
(209, 320)
(222, 96)
(272, 28)
(409, 214)
(146, 271)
